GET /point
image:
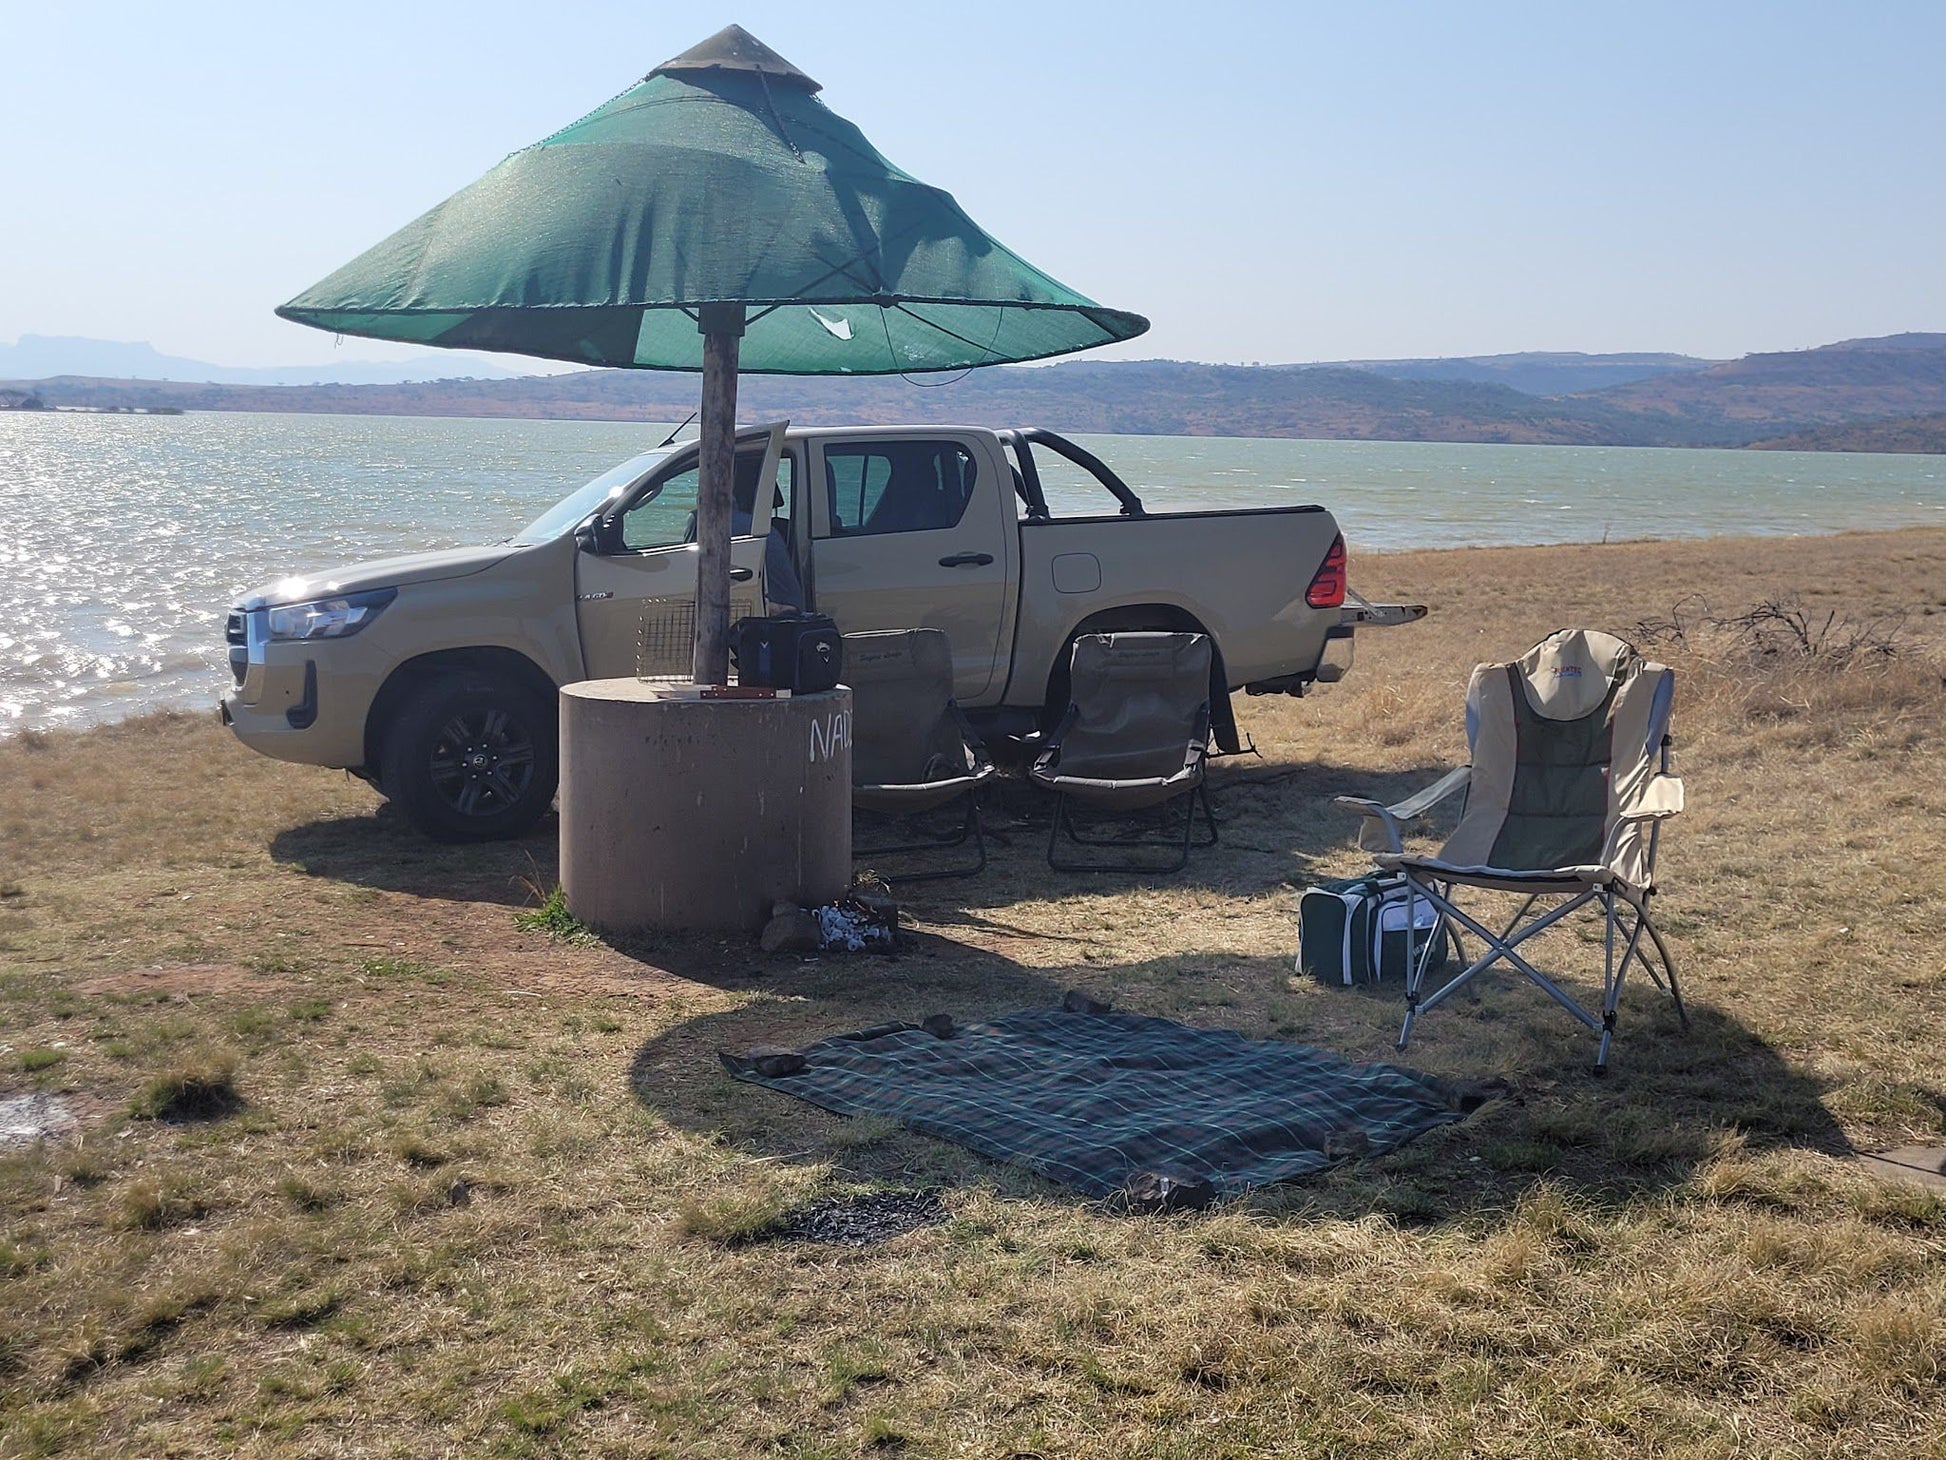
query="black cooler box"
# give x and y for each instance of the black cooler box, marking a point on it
(800, 652)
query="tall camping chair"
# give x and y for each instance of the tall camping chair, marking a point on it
(1135, 735)
(1565, 797)
(912, 750)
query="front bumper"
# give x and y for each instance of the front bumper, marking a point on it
(302, 702)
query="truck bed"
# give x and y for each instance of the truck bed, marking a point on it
(1239, 573)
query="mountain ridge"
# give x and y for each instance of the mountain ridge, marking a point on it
(1727, 403)
(43, 357)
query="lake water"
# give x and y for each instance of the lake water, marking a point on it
(123, 539)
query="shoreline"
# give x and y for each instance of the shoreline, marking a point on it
(1720, 554)
(1779, 445)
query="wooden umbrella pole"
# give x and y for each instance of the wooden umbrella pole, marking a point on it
(721, 326)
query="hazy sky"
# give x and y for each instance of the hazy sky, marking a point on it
(1274, 182)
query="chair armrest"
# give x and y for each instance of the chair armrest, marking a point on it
(1385, 820)
(1420, 802)
(1663, 796)
(967, 733)
(1050, 747)
(1198, 749)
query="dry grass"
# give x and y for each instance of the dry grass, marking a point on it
(487, 1190)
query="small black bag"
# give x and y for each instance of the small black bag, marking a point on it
(800, 652)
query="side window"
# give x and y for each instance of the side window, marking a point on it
(897, 486)
(667, 518)
(856, 478)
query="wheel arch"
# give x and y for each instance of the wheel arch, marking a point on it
(488, 659)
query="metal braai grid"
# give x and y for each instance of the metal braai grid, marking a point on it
(665, 636)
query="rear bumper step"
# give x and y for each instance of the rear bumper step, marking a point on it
(1358, 611)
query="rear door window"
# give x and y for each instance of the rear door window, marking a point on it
(897, 486)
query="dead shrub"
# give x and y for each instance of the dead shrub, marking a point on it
(1774, 628)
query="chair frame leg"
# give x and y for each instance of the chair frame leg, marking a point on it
(1504, 948)
(969, 827)
(1668, 960)
(1064, 820)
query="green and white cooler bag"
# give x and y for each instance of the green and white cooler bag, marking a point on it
(1353, 930)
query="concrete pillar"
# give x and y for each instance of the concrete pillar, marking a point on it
(683, 813)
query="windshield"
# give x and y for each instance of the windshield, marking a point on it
(568, 513)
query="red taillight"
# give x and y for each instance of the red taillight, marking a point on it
(1327, 588)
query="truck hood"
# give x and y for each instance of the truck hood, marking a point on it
(397, 572)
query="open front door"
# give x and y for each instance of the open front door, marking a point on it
(635, 583)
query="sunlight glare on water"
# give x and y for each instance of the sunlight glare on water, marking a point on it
(123, 539)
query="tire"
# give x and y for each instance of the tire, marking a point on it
(471, 758)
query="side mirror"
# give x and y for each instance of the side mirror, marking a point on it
(587, 537)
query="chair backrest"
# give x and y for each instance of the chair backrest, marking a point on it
(906, 728)
(1562, 738)
(1137, 702)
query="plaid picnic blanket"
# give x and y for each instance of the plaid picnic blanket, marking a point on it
(1104, 1101)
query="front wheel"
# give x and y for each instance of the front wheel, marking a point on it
(470, 758)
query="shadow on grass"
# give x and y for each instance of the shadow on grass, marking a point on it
(1276, 825)
(1670, 1103)
(385, 852)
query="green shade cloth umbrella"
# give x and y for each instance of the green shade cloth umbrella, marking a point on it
(716, 216)
(721, 177)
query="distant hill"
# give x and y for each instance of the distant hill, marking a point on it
(1136, 397)
(1773, 394)
(1731, 403)
(1546, 373)
(1915, 435)
(39, 357)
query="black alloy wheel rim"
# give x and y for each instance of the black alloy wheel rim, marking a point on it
(482, 762)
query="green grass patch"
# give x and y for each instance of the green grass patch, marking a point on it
(553, 918)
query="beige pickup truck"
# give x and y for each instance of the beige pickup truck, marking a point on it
(434, 675)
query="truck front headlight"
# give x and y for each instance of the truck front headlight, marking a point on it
(328, 618)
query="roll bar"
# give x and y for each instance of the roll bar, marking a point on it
(1027, 482)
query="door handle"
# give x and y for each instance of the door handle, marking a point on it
(742, 575)
(966, 560)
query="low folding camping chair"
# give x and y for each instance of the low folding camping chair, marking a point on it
(912, 750)
(1565, 797)
(1135, 736)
